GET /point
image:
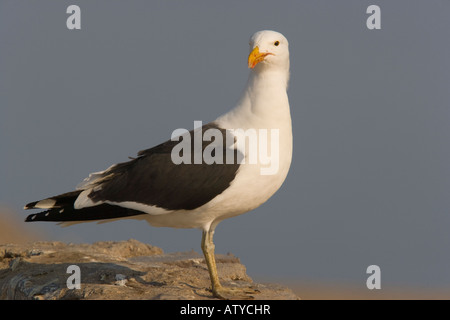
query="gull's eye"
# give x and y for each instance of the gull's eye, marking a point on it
(276, 43)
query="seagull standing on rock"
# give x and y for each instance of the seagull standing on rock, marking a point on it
(227, 174)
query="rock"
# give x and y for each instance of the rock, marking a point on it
(117, 270)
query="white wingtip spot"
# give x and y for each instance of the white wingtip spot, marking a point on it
(45, 204)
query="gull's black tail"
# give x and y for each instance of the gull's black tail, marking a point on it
(60, 209)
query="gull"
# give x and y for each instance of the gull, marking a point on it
(241, 159)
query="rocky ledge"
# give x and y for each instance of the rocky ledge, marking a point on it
(117, 270)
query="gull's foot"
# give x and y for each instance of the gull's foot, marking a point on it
(235, 293)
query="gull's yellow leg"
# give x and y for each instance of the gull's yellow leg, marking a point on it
(217, 289)
(208, 251)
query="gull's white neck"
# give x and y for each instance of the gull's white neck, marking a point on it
(269, 77)
(264, 102)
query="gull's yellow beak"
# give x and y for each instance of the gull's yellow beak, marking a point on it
(256, 57)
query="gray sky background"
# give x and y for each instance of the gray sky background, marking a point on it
(370, 178)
